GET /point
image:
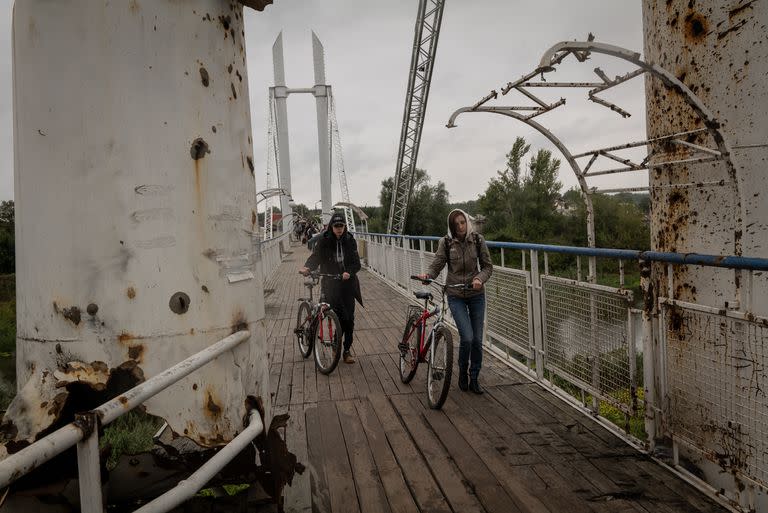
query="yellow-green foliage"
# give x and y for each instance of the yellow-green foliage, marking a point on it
(130, 434)
(7, 326)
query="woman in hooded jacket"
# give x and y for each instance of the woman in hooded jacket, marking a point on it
(469, 262)
(336, 253)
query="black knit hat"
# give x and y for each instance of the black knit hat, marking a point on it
(337, 218)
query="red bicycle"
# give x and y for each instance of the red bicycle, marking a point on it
(435, 348)
(318, 328)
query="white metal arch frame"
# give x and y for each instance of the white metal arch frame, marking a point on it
(566, 153)
(581, 50)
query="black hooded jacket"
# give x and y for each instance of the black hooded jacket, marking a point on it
(324, 256)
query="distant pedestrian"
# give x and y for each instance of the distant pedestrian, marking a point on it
(336, 253)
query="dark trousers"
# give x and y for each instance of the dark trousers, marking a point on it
(469, 314)
(342, 300)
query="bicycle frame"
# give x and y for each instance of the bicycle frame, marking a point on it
(317, 309)
(426, 339)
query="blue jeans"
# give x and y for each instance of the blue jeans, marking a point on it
(469, 313)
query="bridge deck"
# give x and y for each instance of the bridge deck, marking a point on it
(370, 444)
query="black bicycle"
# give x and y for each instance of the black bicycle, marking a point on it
(318, 327)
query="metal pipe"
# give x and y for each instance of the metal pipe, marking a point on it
(32, 456)
(641, 143)
(190, 486)
(88, 467)
(110, 410)
(62, 439)
(734, 262)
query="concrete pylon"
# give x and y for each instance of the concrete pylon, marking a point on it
(323, 140)
(280, 92)
(321, 91)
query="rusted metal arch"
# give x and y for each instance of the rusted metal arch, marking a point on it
(582, 49)
(566, 153)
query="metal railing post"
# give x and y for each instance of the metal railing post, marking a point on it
(537, 313)
(649, 360)
(89, 469)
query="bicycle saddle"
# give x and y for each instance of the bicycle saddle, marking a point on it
(421, 294)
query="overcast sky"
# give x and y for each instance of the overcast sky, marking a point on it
(483, 44)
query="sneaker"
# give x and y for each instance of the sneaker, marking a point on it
(463, 382)
(475, 387)
(348, 358)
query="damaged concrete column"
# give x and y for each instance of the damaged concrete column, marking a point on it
(717, 49)
(135, 197)
(710, 364)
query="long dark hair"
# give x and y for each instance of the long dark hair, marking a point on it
(452, 220)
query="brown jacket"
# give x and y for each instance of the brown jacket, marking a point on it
(463, 266)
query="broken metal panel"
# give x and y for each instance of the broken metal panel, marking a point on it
(717, 49)
(136, 200)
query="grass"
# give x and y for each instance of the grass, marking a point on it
(619, 418)
(231, 489)
(609, 411)
(8, 326)
(130, 434)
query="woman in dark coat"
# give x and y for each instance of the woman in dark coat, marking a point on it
(336, 253)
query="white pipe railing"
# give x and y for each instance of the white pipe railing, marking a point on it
(190, 486)
(31, 457)
(271, 255)
(83, 432)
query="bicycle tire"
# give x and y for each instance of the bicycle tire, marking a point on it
(409, 358)
(440, 369)
(303, 329)
(328, 349)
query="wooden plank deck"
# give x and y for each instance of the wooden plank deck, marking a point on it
(370, 443)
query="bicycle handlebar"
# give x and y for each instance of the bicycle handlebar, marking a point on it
(463, 286)
(315, 274)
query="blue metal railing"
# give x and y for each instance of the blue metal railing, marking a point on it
(731, 262)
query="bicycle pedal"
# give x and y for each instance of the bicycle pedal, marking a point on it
(402, 347)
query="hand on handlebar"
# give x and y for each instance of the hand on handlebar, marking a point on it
(423, 277)
(304, 271)
(477, 284)
(345, 276)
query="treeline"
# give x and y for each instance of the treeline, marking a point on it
(524, 202)
(7, 240)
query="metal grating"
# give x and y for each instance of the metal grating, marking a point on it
(716, 387)
(508, 309)
(586, 339)
(401, 267)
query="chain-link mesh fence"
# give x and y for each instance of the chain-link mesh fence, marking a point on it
(508, 311)
(716, 387)
(587, 339)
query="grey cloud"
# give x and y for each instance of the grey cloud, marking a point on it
(483, 44)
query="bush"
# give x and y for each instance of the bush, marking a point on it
(130, 434)
(7, 327)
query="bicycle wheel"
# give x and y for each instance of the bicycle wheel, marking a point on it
(409, 350)
(327, 341)
(440, 369)
(303, 329)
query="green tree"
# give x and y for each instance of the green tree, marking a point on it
(7, 238)
(301, 209)
(523, 207)
(427, 208)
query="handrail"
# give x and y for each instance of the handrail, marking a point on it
(731, 262)
(190, 486)
(32, 456)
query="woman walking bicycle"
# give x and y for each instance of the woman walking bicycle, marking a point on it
(336, 253)
(469, 262)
